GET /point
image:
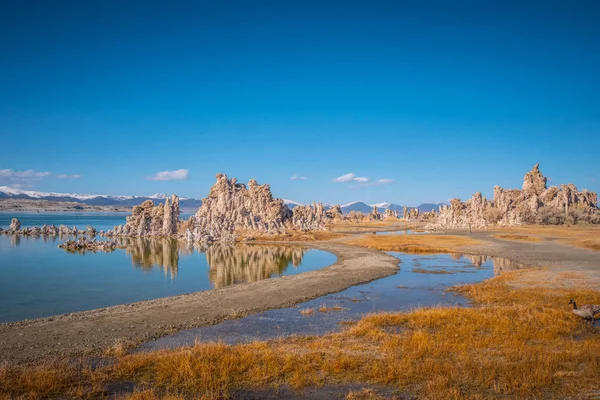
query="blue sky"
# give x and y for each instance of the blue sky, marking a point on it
(442, 98)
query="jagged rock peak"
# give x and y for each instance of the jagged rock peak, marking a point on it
(147, 219)
(232, 207)
(534, 182)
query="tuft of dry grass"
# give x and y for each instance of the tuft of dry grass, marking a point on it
(582, 236)
(430, 271)
(325, 309)
(590, 244)
(307, 311)
(300, 237)
(519, 238)
(416, 243)
(513, 343)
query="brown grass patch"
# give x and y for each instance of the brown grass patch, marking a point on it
(431, 271)
(519, 238)
(307, 311)
(301, 237)
(325, 309)
(416, 243)
(582, 236)
(590, 244)
(514, 343)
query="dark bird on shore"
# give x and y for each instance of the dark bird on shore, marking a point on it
(587, 311)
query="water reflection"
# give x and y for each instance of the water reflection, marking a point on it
(228, 264)
(250, 263)
(500, 264)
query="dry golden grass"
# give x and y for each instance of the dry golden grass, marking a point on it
(325, 309)
(301, 237)
(431, 271)
(590, 244)
(416, 243)
(514, 343)
(307, 311)
(582, 236)
(519, 238)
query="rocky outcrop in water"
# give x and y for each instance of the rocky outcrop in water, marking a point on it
(15, 225)
(150, 220)
(534, 203)
(232, 208)
(46, 230)
(83, 245)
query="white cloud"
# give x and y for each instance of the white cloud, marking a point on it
(298, 178)
(177, 175)
(361, 179)
(29, 177)
(344, 178)
(385, 181)
(65, 176)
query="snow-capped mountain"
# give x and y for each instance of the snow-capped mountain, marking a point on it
(93, 199)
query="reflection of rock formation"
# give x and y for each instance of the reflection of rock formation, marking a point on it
(533, 204)
(228, 264)
(150, 253)
(249, 263)
(500, 264)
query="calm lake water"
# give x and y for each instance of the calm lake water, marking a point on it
(39, 279)
(422, 281)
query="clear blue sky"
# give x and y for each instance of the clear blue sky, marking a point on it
(444, 98)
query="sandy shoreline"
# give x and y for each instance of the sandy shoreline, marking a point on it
(90, 332)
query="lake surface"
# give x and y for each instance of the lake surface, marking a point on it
(39, 279)
(422, 281)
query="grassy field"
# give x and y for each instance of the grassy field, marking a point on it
(514, 343)
(416, 243)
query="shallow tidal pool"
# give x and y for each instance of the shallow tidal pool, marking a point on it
(422, 281)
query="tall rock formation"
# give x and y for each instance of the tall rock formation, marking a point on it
(150, 220)
(232, 208)
(374, 215)
(535, 203)
(311, 217)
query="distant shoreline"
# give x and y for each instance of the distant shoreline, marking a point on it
(26, 205)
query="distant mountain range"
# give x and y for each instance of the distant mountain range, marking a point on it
(95, 199)
(381, 207)
(184, 202)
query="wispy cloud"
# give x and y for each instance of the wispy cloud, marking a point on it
(350, 177)
(176, 175)
(29, 177)
(298, 178)
(366, 184)
(65, 176)
(344, 178)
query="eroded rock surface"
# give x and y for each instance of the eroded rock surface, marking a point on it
(232, 208)
(150, 220)
(15, 225)
(83, 245)
(534, 203)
